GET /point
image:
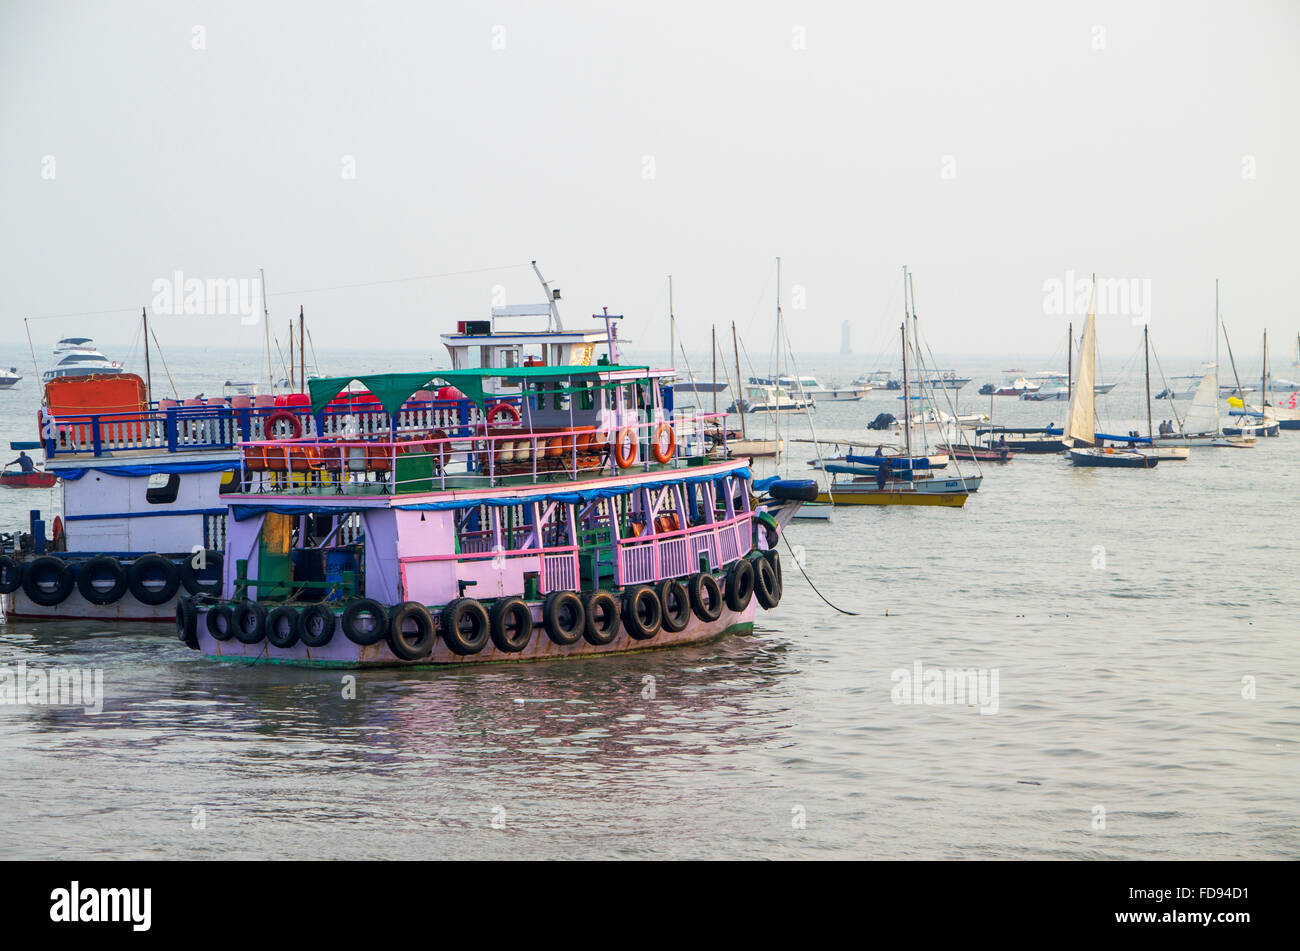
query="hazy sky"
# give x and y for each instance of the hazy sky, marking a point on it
(993, 147)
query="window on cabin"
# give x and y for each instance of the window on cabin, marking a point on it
(586, 395)
(163, 488)
(511, 358)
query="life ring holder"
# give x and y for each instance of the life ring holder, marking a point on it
(664, 454)
(282, 415)
(626, 440)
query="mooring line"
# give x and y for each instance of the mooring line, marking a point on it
(810, 581)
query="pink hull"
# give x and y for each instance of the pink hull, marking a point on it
(341, 652)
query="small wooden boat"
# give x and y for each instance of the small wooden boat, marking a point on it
(28, 480)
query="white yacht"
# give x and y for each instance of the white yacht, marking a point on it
(9, 377)
(77, 356)
(761, 397)
(809, 386)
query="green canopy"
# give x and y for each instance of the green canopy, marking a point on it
(394, 389)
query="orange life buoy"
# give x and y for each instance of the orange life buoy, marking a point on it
(625, 448)
(664, 453)
(279, 416)
(506, 409)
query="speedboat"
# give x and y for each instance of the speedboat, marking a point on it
(9, 377)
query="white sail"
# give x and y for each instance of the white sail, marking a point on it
(1203, 416)
(1082, 427)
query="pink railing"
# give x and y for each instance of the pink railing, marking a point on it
(676, 554)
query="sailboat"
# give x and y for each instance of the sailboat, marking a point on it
(1202, 426)
(1087, 446)
(1266, 419)
(898, 480)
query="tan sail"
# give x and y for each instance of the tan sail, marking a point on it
(1082, 426)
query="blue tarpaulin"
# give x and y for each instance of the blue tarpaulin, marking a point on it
(180, 468)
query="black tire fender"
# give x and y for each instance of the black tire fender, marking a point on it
(642, 613)
(564, 616)
(47, 580)
(465, 626)
(248, 621)
(365, 622)
(706, 597)
(221, 622)
(316, 625)
(411, 633)
(603, 621)
(740, 585)
(91, 575)
(187, 623)
(675, 605)
(193, 583)
(11, 574)
(282, 627)
(153, 579)
(766, 588)
(510, 611)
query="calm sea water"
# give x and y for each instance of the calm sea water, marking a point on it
(1126, 615)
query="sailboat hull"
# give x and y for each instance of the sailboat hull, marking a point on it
(1112, 459)
(947, 492)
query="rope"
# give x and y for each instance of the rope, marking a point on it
(809, 580)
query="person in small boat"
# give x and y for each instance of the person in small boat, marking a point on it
(1002, 444)
(23, 462)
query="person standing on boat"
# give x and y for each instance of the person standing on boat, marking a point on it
(882, 472)
(23, 462)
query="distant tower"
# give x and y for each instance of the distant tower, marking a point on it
(845, 349)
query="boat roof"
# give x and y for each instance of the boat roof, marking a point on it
(392, 390)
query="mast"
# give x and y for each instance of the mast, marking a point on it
(302, 348)
(779, 334)
(291, 357)
(1069, 361)
(148, 375)
(266, 325)
(1146, 359)
(715, 370)
(907, 420)
(1263, 382)
(672, 330)
(740, 402)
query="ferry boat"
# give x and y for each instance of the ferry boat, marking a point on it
(568, 511)
(140, 521)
